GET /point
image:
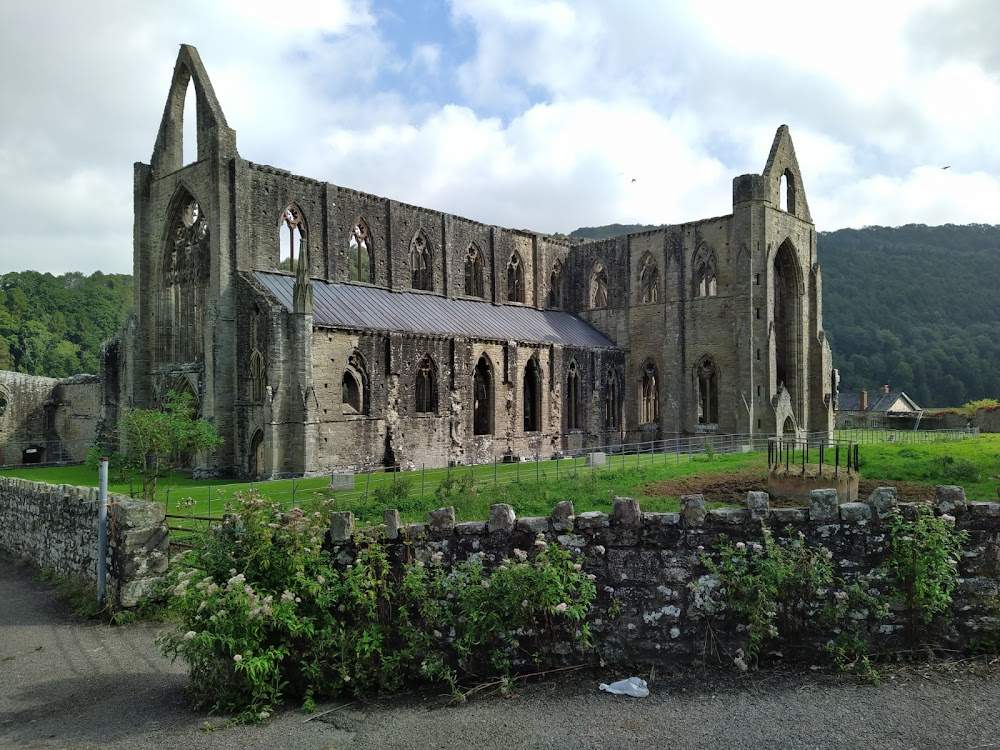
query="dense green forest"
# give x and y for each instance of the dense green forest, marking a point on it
(54, 325)
(916, 307)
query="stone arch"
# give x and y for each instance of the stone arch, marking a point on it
(649, 393)
(291, 236)
(556, 279)
(360, 253)
(5, 401)
(258, 376)
(707, 380)
(475, 272)
(531, 396)
(421, 263)
(256, 456)
(598, 286)
(425, 387)
(786, 191)
(612, 401)
(706, 271)
(355, 388)
(186, 268)
(787, 317)
(571, 410)
(649, 279)
(515, 278)
(482, 391)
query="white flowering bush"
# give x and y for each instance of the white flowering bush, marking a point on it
(264, 613)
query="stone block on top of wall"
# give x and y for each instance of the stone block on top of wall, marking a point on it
(824, 506)
(626, 512)
(758, 504)
(501, 518)
(883, 501)
(341, 526)
(950, 499)
(392, 522)
(592, 520)
(984, 510)
(855, 512)
(693, 510)
(533, 525)
(563, 516)
(135, 514)
(470, 528)
(441, 522)
(727, 517)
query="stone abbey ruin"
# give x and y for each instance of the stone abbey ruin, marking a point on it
(321, 328)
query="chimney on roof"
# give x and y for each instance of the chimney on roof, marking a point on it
(864, 400)
(884, 388)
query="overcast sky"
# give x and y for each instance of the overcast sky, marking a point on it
(545, 115)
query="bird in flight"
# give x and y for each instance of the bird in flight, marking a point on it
(948, 167)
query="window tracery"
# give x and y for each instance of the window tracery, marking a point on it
(291, 233)
(650, 401)
(599, 287)
(474, 273)
(420, 263)
(515, 279)
(359, 253)
(649, 280)
(425, 388)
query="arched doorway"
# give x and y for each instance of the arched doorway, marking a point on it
(257, 455)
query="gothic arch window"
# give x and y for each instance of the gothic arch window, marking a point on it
(258, 376)
(612, 414)
(359, 253)
(599, 287)
(420, 263)
(354, 386)
(556, 285)
(573, 421)
(786, 191)
(4, 403)
(706, 273)
(708, 391)
(474, 273)
(425, 387)
(256, 455)
(787, 313)
(649, 279)
(184, 298)
(515, 278)
(531, 400)
(649, 396)
(482, 388)
(291, 234)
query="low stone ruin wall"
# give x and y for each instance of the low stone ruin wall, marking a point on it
(657, 602)
(55, 527)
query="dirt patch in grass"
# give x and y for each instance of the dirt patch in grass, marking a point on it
(732, 487)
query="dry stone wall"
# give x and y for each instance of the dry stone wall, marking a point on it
(657, 601)
(55, 527)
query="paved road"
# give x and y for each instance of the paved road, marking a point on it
(65, 684)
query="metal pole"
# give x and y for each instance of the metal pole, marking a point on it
(102, 532)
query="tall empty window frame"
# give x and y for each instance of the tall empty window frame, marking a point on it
(475, 282)
(354, 386)
(708, 391)
(420, 263)
(359, 254)
(649, 280)
(291, 234)
(649, 396)
(599, 287)
(787, 322)
(573, 421)
(531, 396)
(556, 285)
(612, 414)
(425, 388)
(482, 408)
(706, 273)
(258, 376)
(515, 279)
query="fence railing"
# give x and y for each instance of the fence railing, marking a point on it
(787, 453)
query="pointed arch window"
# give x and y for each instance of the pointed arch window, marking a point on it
(258, 376)
(649, 403)
(573, 421)
(515, 279)
(708, 391)
(291, 234)
(611, 408)
(474, 273)
(532, 396)
(425, 388)
(556, 285)
(359, 254)
(786, 192)
(354, 386)
(599, 287)
(482, 388)
(420, 263)
(706, 274)
(649, 280)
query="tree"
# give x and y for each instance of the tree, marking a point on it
(155, 442)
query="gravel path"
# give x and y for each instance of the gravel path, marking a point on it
(65, 684)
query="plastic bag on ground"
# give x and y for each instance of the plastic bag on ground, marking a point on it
(634, 686)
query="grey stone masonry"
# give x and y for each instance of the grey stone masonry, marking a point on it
(55, 527)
